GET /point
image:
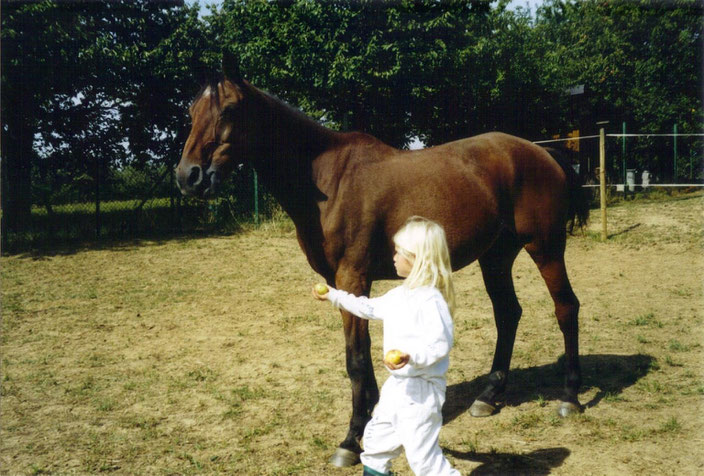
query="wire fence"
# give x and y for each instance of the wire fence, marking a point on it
(638, 161)
(628, 185)
(113, 202)
(125, 203)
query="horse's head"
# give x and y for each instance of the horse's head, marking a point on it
(221, 136)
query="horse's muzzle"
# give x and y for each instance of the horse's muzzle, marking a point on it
(188, 180)
(193, 181)
(213, 179)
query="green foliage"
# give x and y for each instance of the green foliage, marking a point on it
(96, 90)
(89, 87)
(439, 70)
(639, 60)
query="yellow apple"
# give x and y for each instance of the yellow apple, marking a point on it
(393, 356)
(321, 289)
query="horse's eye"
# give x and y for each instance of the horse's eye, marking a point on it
(225, 125)
(209, 148)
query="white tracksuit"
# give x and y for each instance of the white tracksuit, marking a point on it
(408, 416)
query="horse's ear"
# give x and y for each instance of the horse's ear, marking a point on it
(231, 67)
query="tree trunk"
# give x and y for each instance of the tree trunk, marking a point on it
(17, 154)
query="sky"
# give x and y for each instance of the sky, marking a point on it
(531, 4)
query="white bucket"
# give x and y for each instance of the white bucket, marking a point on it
(645, 179)
(631, 179)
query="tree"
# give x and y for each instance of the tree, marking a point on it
(439, 70)
(40, 45)
(642, 60)
(90, 85)
(493, 81)
(362, 65)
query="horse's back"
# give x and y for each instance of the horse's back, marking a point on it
(474, 187)
(492, 172)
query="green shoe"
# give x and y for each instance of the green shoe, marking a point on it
(373, 472)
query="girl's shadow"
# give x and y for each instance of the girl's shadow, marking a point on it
(611, 374)
(535, 463)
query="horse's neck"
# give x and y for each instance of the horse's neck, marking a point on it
(290, 145)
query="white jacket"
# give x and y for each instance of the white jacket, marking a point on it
(416, 322)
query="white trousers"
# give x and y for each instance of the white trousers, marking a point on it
(408, 417)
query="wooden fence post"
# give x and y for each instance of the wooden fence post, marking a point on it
(623, 160)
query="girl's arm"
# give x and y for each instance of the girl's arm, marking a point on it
(361, 306)
(438, 334)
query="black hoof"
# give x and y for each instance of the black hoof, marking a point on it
(481, 409)
(343, 458)
(568, 408)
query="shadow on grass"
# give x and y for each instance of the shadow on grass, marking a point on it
(48, 250)
(75, 230)
(625, 230)
(609, 373)
(538, 462)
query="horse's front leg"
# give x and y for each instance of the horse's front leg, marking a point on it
(365, 392)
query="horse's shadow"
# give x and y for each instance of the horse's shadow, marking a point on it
(536, 463)
(611, 374)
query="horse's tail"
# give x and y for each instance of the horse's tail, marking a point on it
(578, 211)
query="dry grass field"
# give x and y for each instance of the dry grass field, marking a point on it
(208, 356)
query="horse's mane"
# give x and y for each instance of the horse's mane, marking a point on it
(291, 111)
(212, 88)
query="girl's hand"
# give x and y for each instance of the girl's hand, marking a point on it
(321, 297)
(392, 366)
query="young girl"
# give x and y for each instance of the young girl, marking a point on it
(418, 323)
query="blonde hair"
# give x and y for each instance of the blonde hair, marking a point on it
(423, 242)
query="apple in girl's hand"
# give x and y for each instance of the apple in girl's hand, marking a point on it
(393, 356)
(321, 289)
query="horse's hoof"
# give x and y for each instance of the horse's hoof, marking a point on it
(568, 408)
(343, 458)
(481, 409)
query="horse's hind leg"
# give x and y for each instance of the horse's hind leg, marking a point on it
(496, 265)
(550, 259)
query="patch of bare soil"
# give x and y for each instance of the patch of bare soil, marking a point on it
(208, 356)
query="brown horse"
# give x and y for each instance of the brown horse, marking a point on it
(348, 193)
